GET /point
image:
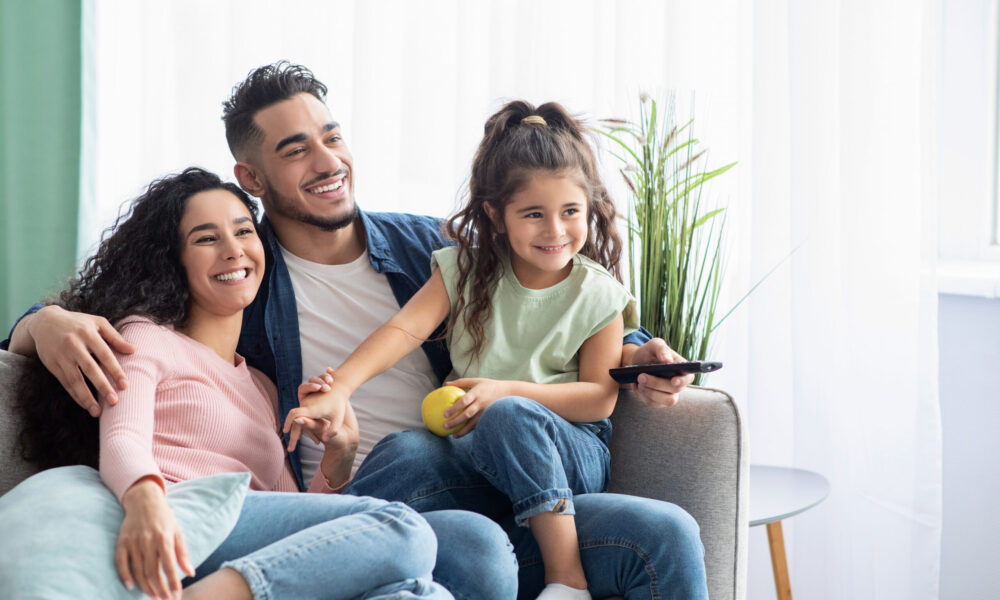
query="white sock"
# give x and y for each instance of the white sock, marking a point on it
(558, 591)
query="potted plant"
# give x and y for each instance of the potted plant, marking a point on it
(677, 234)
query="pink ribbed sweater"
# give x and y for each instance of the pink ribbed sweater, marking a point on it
(188, 413)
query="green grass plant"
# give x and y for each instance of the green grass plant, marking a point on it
(678, 235)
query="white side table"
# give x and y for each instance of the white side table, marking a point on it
(777, 493)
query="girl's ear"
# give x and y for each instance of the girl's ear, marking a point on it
(494, 216)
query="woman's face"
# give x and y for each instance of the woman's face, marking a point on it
(220, 252)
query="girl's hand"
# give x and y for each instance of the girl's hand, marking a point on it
(469, 408)
(320, 413)
(319, 383)
(150, 544)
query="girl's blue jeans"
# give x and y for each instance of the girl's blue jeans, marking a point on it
(522, 459)
(334, 546)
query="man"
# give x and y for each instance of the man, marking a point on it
(334, 274)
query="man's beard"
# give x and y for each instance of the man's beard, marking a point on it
(286, 207)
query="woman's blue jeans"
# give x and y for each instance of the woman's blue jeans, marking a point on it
(333, 546)
(635, 547)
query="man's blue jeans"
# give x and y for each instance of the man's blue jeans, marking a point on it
(332, 546)
(634, 547)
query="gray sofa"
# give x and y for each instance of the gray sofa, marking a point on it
(693, 454)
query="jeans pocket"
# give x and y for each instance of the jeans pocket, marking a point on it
(602, 429)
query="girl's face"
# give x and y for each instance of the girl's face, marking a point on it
(221, 253)
(546, 224)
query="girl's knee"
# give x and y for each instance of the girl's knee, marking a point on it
(512, 412)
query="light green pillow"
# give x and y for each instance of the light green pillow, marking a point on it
(59, 529)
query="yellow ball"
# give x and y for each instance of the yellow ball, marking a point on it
(435, 403)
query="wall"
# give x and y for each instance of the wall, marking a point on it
(969, 338)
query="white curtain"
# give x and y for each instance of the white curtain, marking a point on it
(828, 108)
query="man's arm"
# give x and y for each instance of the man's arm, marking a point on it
(74, 347)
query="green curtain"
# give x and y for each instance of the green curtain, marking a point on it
(40, 117)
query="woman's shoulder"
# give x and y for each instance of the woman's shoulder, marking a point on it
(148, 336)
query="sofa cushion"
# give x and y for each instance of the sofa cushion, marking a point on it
(60, 527)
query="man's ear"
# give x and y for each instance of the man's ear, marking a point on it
(494, 216)
(248, 179)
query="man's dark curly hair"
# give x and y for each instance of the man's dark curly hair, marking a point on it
(135, 271)
(262, 88)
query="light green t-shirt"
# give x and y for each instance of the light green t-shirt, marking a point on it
(536, 335)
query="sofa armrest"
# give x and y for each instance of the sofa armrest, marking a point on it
(693, 455)
(13, 469)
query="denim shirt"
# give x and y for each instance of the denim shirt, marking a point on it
(399, 246)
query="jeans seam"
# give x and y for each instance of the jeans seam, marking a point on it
(252, 574)
(530, 503)
(654, 591)
(422, 494)
(278, 561)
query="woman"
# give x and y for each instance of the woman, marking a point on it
(175, 276)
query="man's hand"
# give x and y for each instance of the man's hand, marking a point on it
(339, 451)
(469, 408)
(73, 346)
(656, 391)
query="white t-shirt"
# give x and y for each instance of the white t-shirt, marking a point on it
(338, 307)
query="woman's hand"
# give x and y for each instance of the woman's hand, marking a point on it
(150, 544)
(469, 408)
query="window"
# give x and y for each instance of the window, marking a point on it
(968, 158)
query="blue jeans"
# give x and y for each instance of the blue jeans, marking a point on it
(288, 545)
(634, 547)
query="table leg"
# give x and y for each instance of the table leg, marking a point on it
(776, 540)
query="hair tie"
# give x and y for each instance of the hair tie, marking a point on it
(535, 119)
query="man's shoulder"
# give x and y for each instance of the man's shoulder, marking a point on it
(395, 233)
(405, 222)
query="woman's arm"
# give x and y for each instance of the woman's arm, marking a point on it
(591, 398)
(399, 336)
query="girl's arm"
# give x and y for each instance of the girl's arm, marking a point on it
(399, 336)
(591, 398)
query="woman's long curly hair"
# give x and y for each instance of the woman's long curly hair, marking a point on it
(135, 271)
(511, 153)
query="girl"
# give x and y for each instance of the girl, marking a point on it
(175, 276)
(535, 320)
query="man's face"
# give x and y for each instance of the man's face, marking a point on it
(305, 165)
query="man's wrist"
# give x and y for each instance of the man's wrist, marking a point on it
(21, 339)
(628, 354)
